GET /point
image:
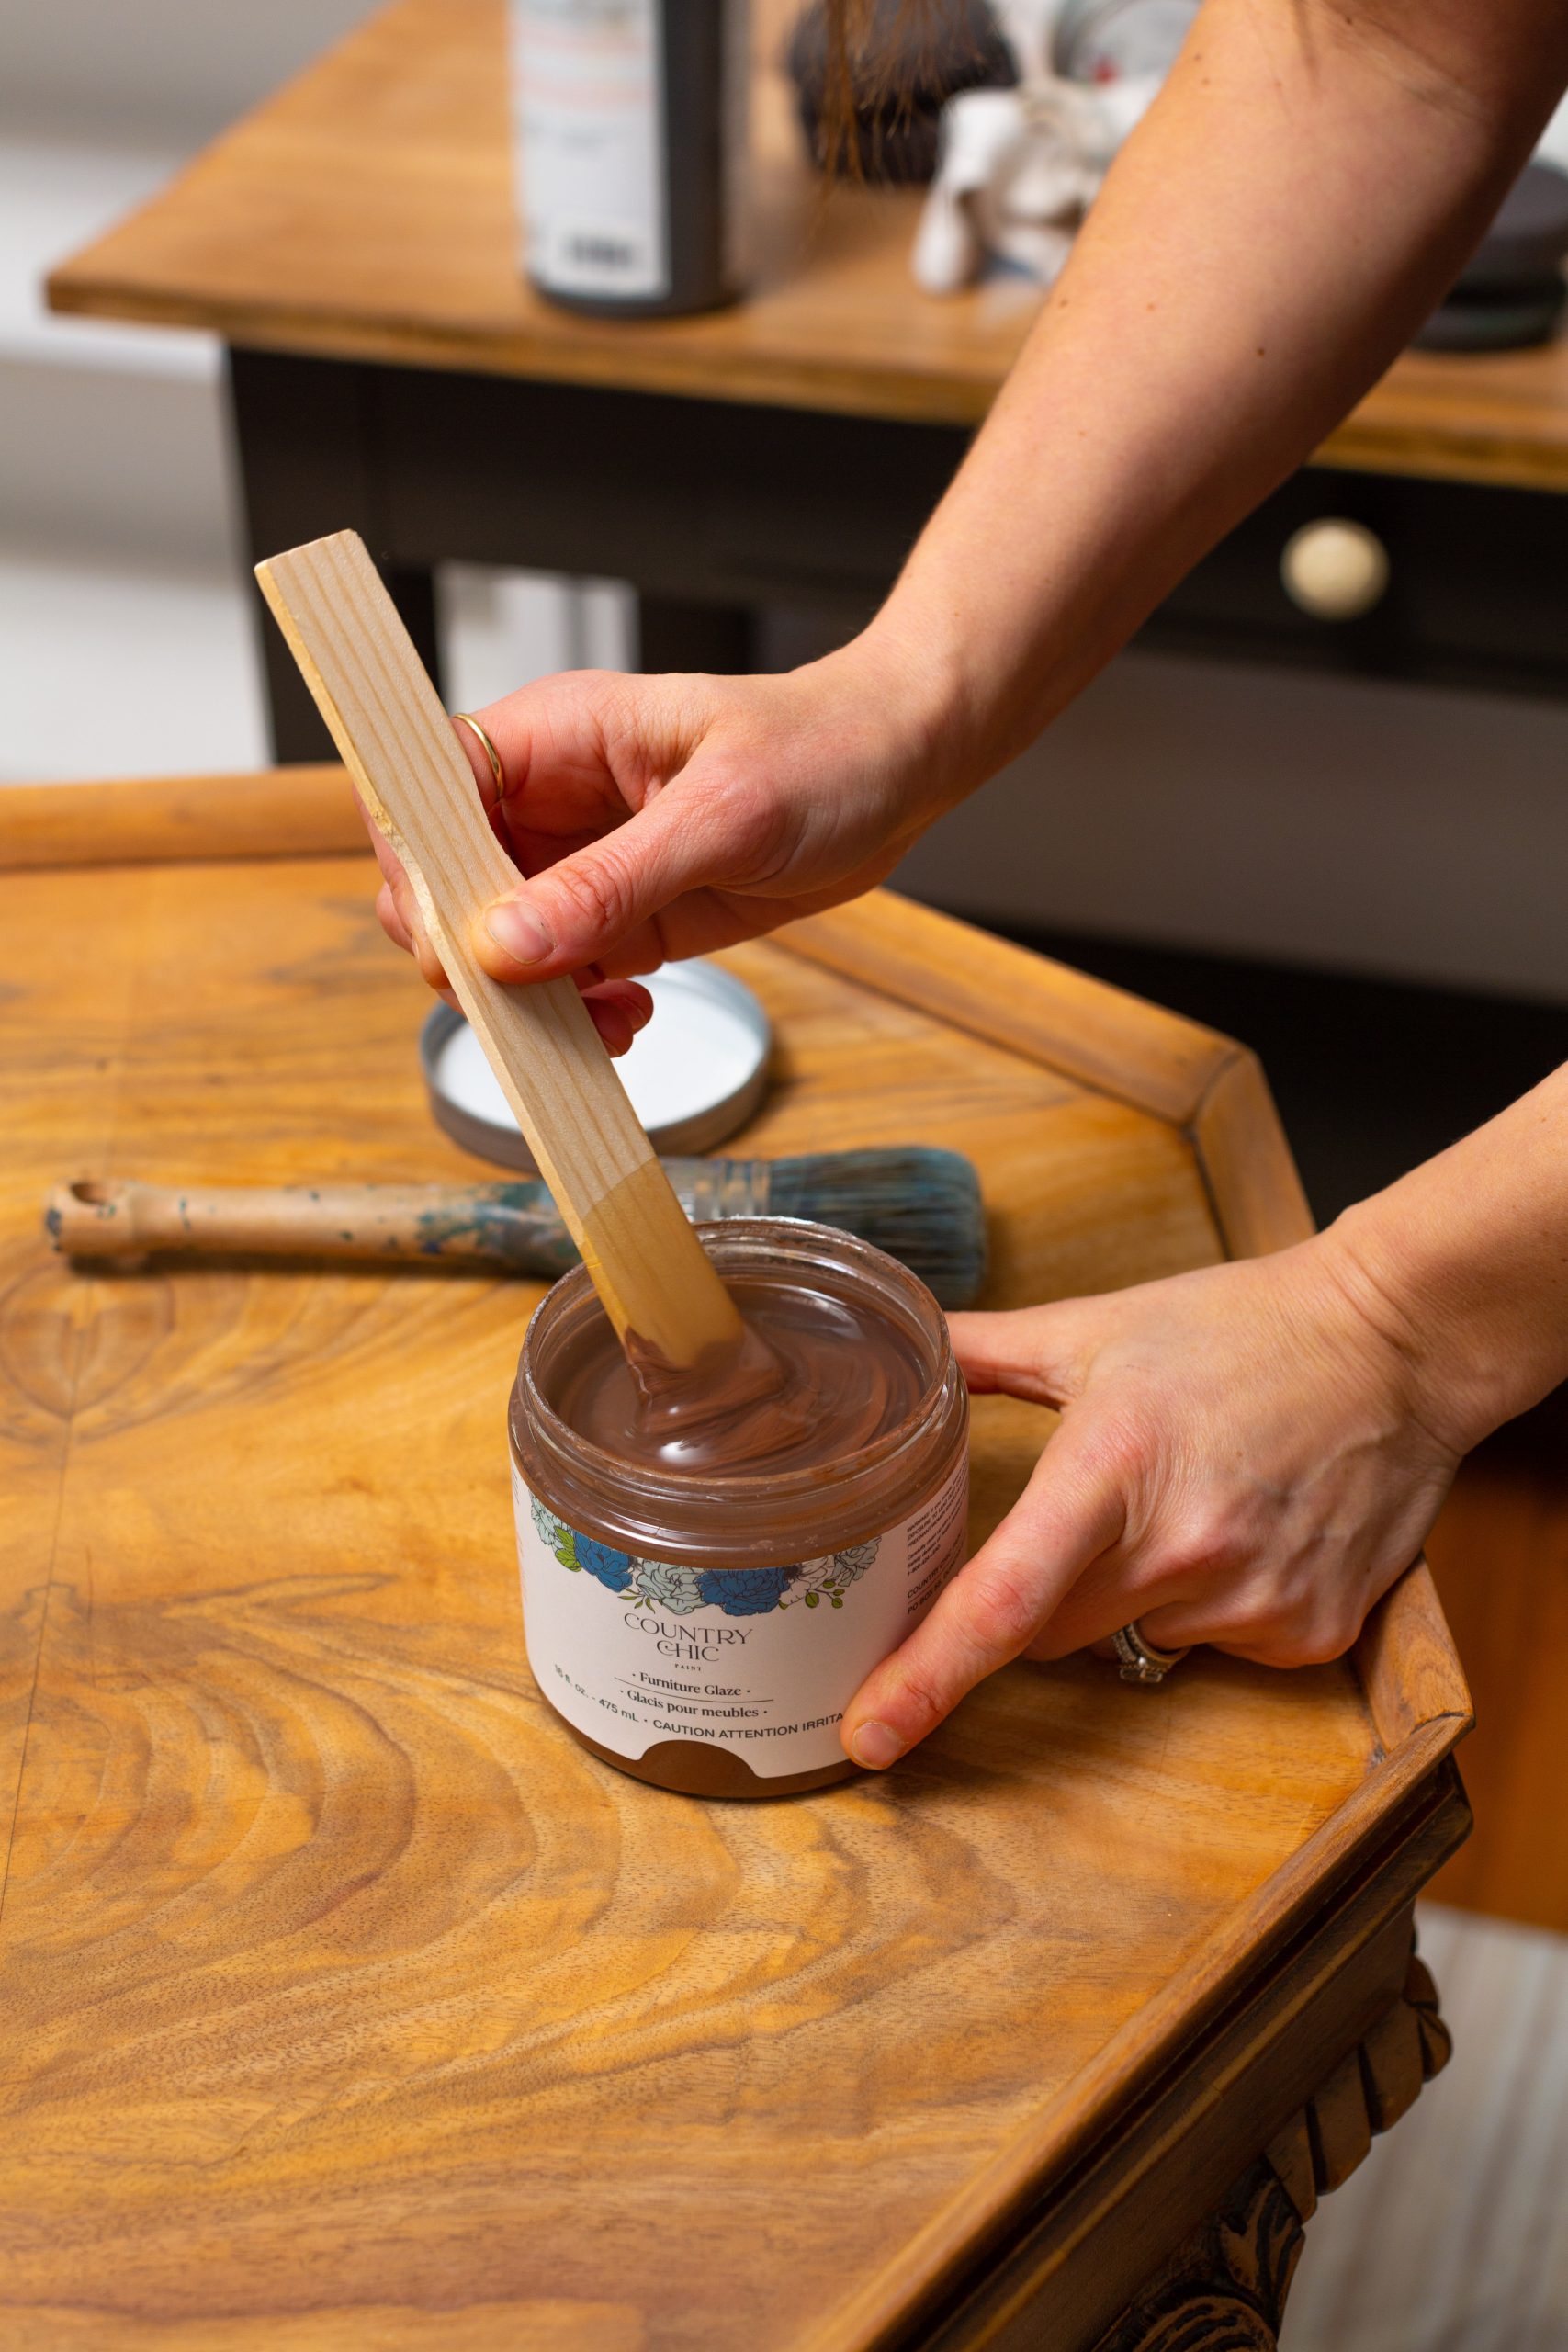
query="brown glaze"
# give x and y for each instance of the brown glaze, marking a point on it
(817, 1376)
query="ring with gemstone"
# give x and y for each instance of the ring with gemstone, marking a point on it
(1139, 1660)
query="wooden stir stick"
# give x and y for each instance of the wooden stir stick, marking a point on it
(358, 660)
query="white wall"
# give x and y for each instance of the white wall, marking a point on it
(169, 72)
(128, 642)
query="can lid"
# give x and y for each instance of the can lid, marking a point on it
(695, 1074)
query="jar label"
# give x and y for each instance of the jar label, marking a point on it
(762, 1661)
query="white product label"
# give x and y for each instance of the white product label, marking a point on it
(760, 1661)
(589, 112)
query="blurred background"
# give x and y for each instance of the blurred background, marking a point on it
(1361, 875)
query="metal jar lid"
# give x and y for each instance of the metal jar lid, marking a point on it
(695, 1075)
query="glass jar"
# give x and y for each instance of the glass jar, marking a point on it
(706, 1631)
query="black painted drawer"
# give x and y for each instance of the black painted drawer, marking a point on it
(1477, 589)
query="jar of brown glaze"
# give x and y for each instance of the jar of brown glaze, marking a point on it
(705, 1630)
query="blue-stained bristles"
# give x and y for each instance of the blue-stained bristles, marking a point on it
(921, 1205)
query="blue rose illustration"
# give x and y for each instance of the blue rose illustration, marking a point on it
(613, 1569)
(545, 1521)
(668, 1587)
(743, 1592)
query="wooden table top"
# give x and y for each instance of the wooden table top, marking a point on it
(366, 210)
(348, 2000)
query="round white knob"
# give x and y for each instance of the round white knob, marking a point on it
(1334, 570)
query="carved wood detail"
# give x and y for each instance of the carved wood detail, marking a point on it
(1225, 2288)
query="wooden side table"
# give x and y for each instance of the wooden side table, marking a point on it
(353, 242)
(348, 2001)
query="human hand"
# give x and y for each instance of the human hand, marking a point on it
(666, 816)
(619, 1007)
(1244, 1459)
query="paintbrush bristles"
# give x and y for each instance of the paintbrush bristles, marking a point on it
(921, 1205)
(918, 1203)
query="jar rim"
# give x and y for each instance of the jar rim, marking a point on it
(739, 1243)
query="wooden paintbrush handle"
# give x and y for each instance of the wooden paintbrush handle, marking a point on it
(515, 1224)
(357, 659)
(511, 1224)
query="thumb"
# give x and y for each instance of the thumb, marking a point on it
(579, 910)
(1068, 1514)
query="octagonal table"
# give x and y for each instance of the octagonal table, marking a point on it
(349, 2003)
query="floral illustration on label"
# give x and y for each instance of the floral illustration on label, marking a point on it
(734, 1592)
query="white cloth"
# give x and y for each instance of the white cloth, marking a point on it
(1016, 172)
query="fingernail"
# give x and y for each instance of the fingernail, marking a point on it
(514, 927)
(877, 1746)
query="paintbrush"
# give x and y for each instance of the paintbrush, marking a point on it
(920, 1205)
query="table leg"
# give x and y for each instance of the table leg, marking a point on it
(306, 450)
(413, 589)
(1225, 2289)
(294, 724)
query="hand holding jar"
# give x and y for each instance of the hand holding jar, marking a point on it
(1250, 1454)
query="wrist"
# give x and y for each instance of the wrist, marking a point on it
(1455, 1363)
(918, 666)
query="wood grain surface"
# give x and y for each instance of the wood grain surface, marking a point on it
(366, 210)
(349, 2002)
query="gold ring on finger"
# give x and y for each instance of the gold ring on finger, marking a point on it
(462, 719)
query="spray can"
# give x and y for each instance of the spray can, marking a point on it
(629, 120)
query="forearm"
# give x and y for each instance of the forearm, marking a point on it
(1463, 1266)
(1300, 197)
